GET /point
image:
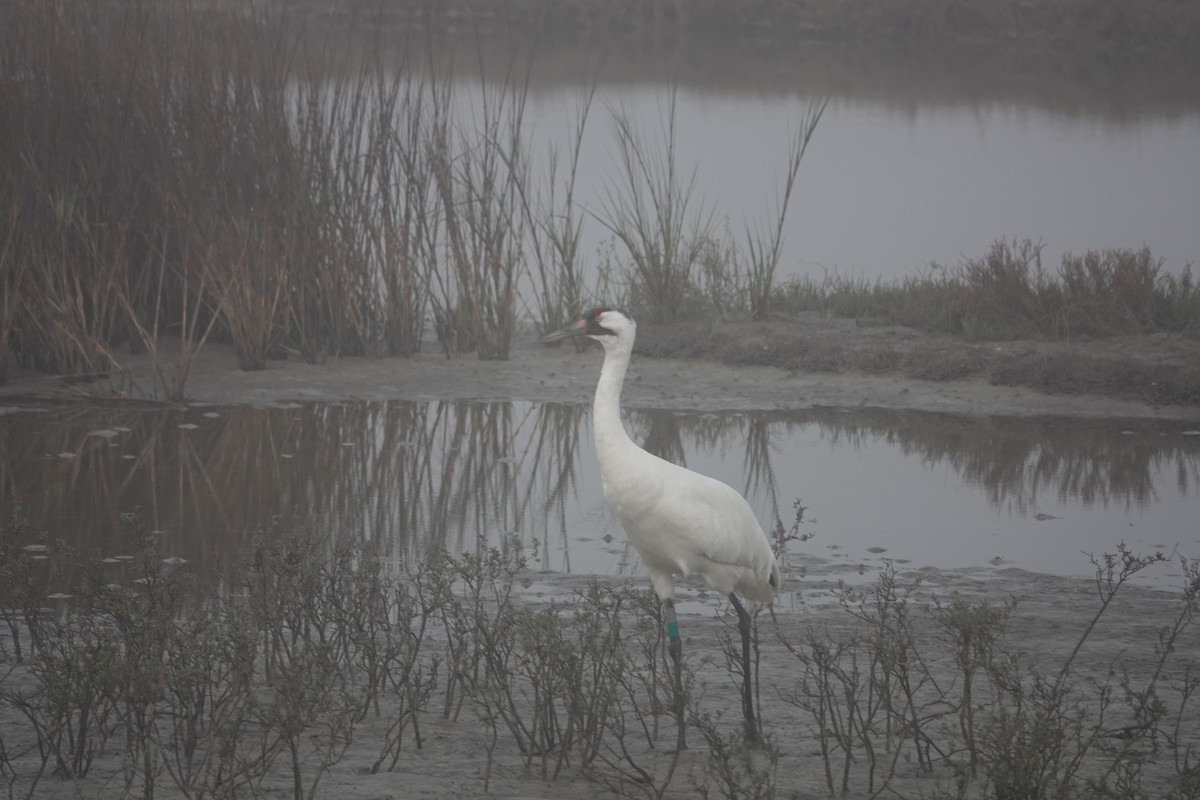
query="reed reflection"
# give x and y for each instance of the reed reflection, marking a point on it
(1015, 461)
(458, 474)
(405, 474)
(550, 458)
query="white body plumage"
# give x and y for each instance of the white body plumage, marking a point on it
(680, 522)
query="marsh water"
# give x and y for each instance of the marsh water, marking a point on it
(918, 489)
(919, 158)
(885, 192)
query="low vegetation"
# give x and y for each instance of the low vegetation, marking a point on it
(1009, 294)
(1112, 323)
(321, 650)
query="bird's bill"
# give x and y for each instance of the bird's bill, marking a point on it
(574, 329)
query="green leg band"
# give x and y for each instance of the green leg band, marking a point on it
(673, 628)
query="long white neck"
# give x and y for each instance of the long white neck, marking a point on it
(611, 438)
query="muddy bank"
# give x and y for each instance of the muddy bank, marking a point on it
(792, 362)
(1156, 369)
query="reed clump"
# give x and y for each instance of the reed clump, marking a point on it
(208, 174)
(173, 172)
(195, 175)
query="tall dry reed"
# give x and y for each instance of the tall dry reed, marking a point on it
(210, 174)
(650, 208)
(175, 176)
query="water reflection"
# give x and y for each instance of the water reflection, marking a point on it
(1067, 81)
(1016, 462)
(412, 474)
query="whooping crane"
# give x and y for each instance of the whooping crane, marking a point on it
(680, 522)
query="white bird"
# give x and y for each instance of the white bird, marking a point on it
(680, 522)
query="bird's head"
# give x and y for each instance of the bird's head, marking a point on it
(606, 325)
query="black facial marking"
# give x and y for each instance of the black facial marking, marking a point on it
(592, 318)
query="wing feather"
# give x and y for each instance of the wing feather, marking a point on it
(682, 522)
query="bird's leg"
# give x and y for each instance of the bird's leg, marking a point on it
(675, 648)
(747, 672)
